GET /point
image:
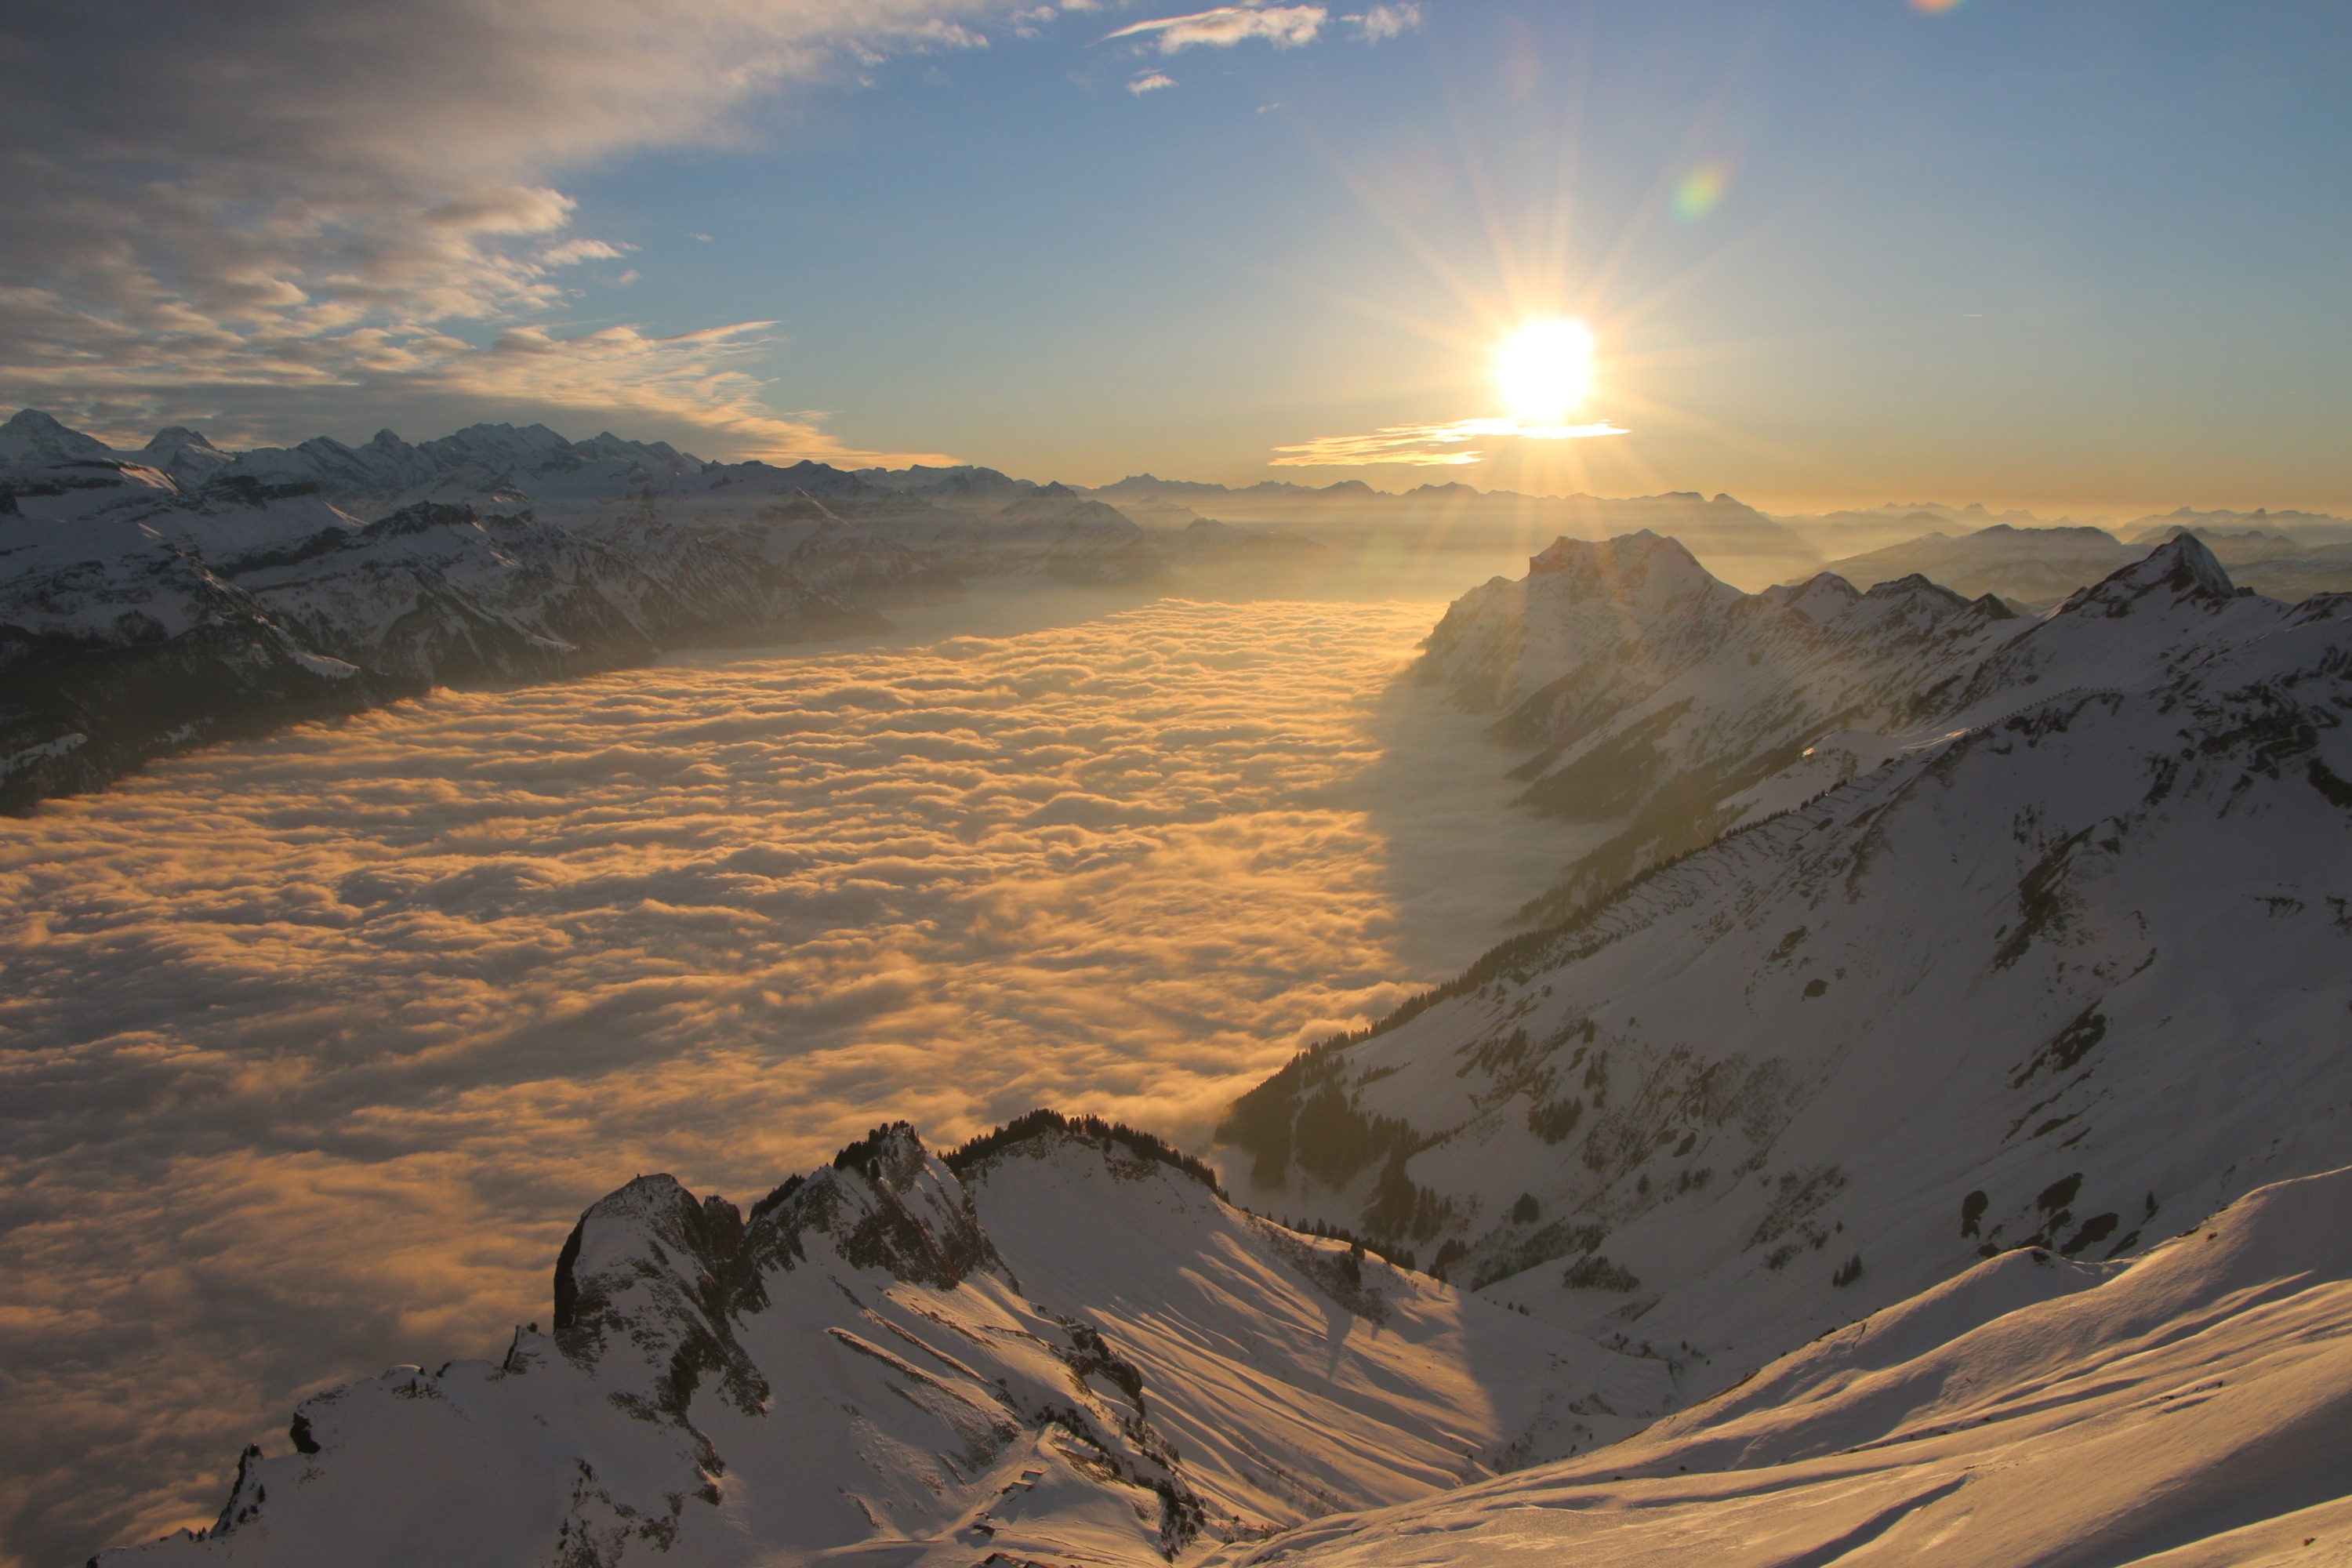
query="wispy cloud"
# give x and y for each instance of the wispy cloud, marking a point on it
(1284, 26)
(189, 233)
(1429, 446)
(1385, 22)
(1151, 81)
(572, 252)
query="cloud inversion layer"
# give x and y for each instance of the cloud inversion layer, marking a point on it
(319, 1043)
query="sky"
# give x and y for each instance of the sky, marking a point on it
(2081, 255)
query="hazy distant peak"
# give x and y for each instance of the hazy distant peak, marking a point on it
(31, 439)
(179, 437)
(1628, 556)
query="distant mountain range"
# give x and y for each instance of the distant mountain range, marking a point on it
(156, 598)
(179, 594)
(2033, 568)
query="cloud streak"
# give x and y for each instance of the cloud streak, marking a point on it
(1283, 26)
(318, 1042)
(1430, 446)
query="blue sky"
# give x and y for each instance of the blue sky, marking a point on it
(2078, 256)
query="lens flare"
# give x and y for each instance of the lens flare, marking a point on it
(1696, 193)
(1544, 369)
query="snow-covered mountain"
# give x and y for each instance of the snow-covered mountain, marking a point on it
(1058, 1344)
(161, 598)
(2034, 567)
(119, 640)
(137, 615)
(2019, 944)
(2192, 1407)
(1675, 707)
(2064, 965)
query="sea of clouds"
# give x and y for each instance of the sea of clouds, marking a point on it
(316, 1045)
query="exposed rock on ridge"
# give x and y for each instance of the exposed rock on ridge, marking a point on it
(855, 1365)
(2063, 965)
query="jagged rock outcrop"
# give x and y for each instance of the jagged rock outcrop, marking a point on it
(1058, 1344)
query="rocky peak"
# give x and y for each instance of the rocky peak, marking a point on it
(1639, 568)
(886, 1202)
(2180, 568)
(178, 438)
(647, 1287)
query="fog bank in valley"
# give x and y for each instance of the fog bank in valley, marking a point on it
(319, 1043)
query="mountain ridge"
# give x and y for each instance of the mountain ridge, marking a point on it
(1904, 1035)
(149, 605)
(898, 1355)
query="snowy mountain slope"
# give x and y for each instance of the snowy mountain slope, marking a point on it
(119, 640)
(138, 614)
(2070, 966)
(1676, 706)
(958, 523)
(1075, 1353)
(2193, 1408)
(440, 592)
(495, 554)
(31, 439)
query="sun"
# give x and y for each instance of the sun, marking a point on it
(1544, 369)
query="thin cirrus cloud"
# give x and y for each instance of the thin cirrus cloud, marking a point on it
(1283, 26)
(1150, 81)
(319, 1043)
(1431, 446)
(264, 212)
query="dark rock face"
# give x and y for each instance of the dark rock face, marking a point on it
(654, 1272)
(75, 718)
(885, 1203)
(667, 1283)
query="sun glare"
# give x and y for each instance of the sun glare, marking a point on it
(1544, 368)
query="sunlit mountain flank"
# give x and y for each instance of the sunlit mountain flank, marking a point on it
(980, 783)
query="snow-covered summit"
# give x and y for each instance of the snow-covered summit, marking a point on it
(1675, 707)
(31, 439)
(1058, 1344)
